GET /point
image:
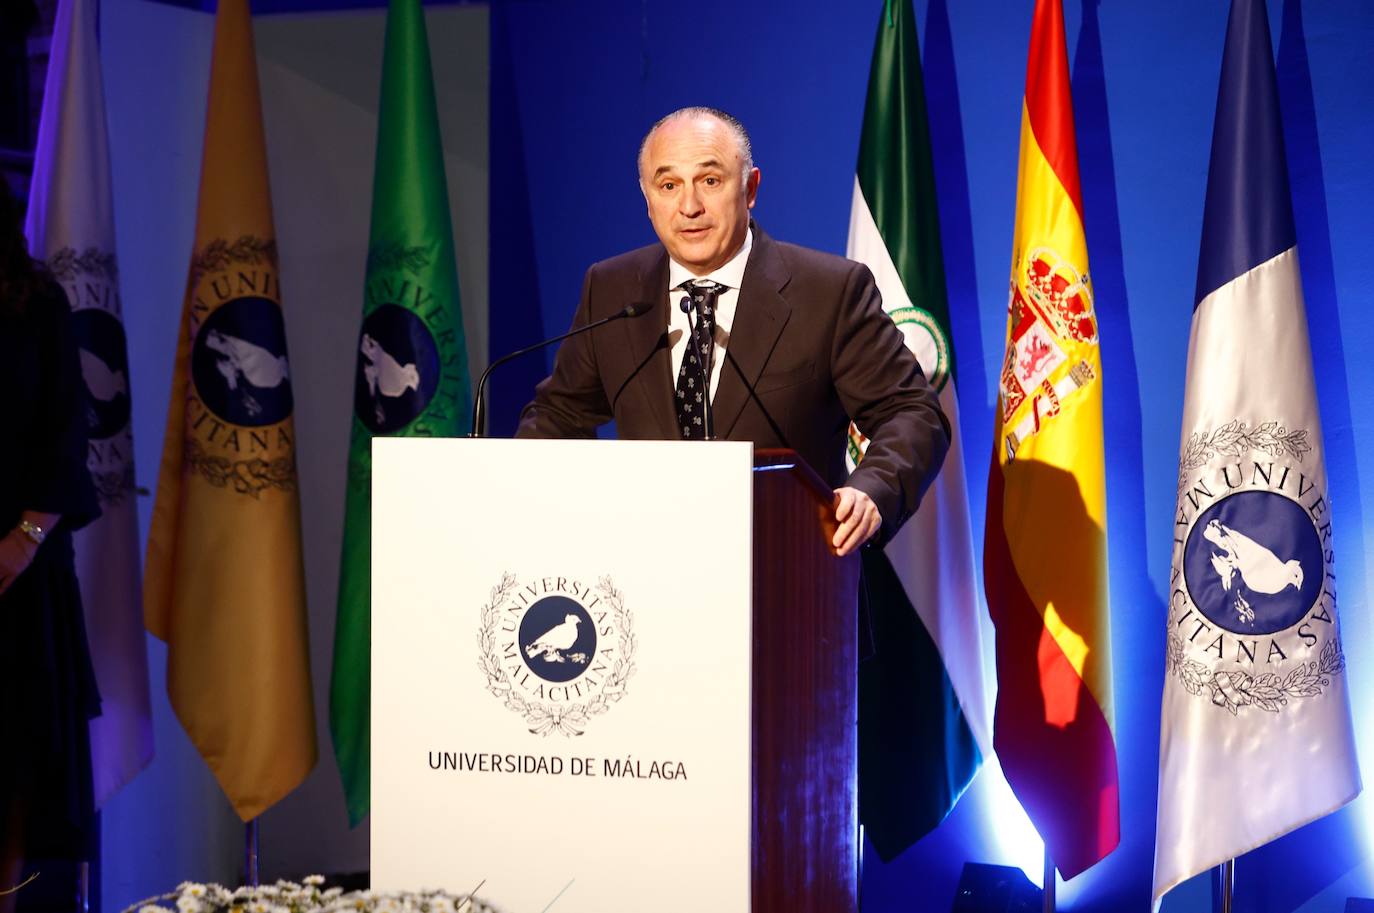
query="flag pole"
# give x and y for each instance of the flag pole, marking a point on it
(1227, 874)
(860, 865)
(250, 853)
(1048, 891)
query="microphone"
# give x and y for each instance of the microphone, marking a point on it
(703, 360)
(479, 403)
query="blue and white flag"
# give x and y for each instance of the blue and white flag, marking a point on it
(1255, 731)
(70, 227)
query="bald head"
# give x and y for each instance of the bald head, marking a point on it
(732, 126)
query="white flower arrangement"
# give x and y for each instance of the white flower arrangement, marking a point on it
(311, 896)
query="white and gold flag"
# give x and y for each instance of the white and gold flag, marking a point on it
(70, 227)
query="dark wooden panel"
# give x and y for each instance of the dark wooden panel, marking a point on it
(805, 848)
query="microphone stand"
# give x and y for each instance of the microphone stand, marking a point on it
(479, 403)
(753, 395)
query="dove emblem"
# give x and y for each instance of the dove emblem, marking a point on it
(105, 385)
(552, 644)
(557, 638)
(385, 375)
(103, 382)
(399, 369)
(1256, 566)
(241, 360)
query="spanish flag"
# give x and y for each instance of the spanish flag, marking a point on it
(224, 585)
(1045, 554)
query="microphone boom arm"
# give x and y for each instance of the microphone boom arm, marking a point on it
(479, 402)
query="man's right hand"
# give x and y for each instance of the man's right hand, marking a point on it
(858, 520)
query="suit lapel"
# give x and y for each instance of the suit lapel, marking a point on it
(647, 339)
(760, 315)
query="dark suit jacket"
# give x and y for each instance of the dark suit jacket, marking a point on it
(809, 349)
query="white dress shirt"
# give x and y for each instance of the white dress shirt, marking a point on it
(731, 275)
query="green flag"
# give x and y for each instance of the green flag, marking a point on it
(412, 375)
(923, 720)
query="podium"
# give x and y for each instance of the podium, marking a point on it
(611, 677)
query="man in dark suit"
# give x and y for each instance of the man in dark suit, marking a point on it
(798, 341)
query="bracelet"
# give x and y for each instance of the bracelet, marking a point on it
(35, 533)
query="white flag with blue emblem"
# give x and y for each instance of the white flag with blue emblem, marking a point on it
(1255, 730)
(70, 227)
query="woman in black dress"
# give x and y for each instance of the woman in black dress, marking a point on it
(47, 686)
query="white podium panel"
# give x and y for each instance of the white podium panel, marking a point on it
(561, 656)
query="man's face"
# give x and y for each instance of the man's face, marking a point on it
(693, 179)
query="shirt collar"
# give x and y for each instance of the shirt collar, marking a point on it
(731, 274)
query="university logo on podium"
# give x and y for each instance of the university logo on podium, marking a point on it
(556, 650)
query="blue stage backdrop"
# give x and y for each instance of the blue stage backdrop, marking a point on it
(573, 86)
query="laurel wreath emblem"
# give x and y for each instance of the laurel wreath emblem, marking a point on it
(546, 718)
(246, 477)
(1235, 438)
(412, 259)
(1271, 692)
(67, 264)
(219, 254)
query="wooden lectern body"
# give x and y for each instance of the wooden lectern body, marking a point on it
(612, 677)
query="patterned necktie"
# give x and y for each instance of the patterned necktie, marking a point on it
(693, 381)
